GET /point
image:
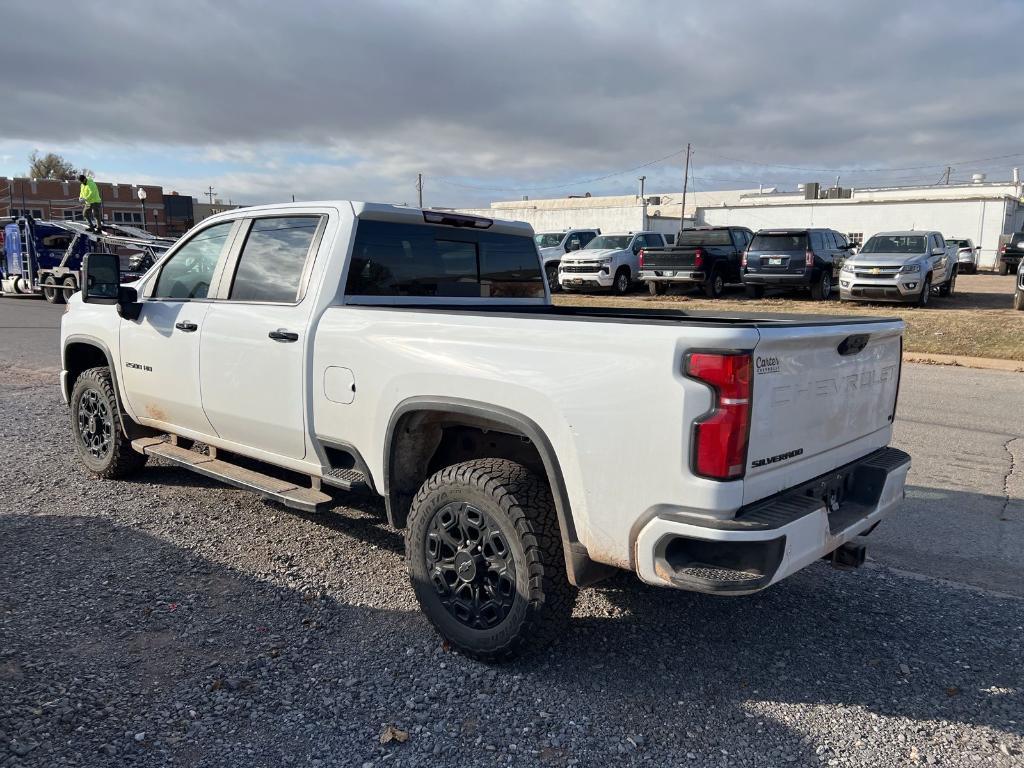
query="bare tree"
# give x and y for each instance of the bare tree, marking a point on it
(53, 166)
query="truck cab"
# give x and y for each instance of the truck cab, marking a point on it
(608, 261)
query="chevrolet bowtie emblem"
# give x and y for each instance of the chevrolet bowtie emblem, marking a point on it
(876, 271)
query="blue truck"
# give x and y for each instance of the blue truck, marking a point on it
(45, 257)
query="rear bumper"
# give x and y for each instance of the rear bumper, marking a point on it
(672, 276)
(771, 539)
(764, 278)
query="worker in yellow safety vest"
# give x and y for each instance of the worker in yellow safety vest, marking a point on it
(92, 203)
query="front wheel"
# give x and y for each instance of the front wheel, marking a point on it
(551, 270)
(485, 557)
(926, 292)
(622, 282)
(95, 422)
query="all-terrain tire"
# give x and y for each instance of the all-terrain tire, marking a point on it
(551, 272)
(948, 287)
(656, 288)
(519, 505)
(1004, 268)
(70, 288)
(103, 448)
(1018, 299)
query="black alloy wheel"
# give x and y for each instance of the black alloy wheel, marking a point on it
(471, 565)
(95, 424)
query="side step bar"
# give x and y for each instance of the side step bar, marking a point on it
(289, 494)
(346, 479)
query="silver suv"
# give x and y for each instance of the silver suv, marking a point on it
(900, 266)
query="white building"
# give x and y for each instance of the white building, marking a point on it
(981, 211)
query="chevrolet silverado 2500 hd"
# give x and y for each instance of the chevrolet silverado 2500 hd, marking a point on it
(302, 348)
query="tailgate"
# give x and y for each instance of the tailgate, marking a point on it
(669, 258)
(823, 396)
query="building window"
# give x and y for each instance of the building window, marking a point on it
(127, 217)
(856, 238)
(35, 213)
(73, 215)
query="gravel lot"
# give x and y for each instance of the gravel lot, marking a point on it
(171, 621)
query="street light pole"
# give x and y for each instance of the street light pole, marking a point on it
(142, 199)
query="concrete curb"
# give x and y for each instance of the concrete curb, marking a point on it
(963, 361)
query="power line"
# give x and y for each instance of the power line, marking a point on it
(862, 170)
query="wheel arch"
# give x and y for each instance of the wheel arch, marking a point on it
(414, 436)
(80, 353)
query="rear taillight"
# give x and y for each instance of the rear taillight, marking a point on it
(743, 262)
(698, 258)
(719, 448)
(1002, 249)
(641, 256)
(809, 258)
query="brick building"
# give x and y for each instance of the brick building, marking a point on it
(58, 200)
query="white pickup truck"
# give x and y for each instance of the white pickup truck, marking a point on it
(526, 449)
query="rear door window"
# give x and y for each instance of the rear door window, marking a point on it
(586, 237)
(392, 259)
(779, 242)
(817, 244)
(271, 264)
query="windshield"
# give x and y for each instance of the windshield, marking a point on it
(960, 243)
(714, 237)
(548, 239)
(780, 241)
(894, 244)
(617, 242)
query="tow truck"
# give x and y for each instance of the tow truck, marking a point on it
(45, 257)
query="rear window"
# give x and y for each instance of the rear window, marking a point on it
(714, 237)
(789, 241)
(391, 259)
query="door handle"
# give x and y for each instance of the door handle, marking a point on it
(186, 326)
(282, 335)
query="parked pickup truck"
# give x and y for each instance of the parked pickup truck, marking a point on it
(900, 266)
(554, 245)
(298, 349)
(607, 261)
(708, 257)
(1011, 251)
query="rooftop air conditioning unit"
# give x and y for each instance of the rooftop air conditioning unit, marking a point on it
(811, 190)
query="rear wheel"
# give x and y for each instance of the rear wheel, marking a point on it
(755, 291)
(926, 292)
(1018, 300)
(70, 288)
(822, 289)
(656, 288)
(485, 557)
(622, 281)
(1004, 268)
(51, 292)
(714, 286)
(95, 422)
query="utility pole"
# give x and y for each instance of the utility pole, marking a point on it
(641, 179)
(210, 193)
(949, 170)
(686, 179)
(419, 187)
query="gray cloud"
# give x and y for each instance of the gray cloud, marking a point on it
(526, 93)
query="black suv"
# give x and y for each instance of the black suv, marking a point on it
(794, 258)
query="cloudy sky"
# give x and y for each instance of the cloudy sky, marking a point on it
(498, 100)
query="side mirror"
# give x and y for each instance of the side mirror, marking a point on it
(938, 251)
(636, 249)
(572, 245)
(101, 278)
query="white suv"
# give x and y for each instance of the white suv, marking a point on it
(554, 245)
(608, 261)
